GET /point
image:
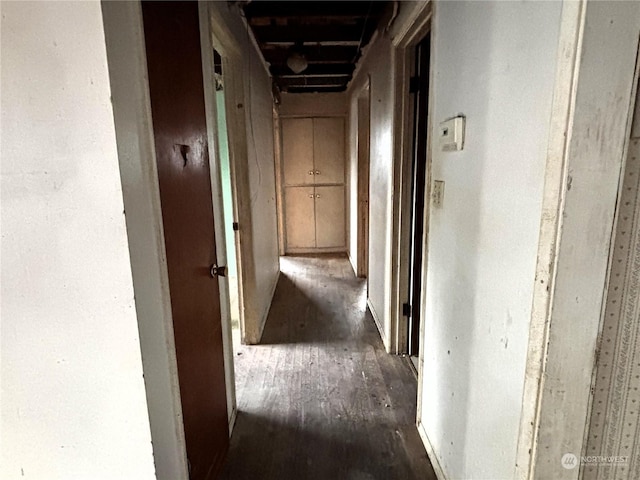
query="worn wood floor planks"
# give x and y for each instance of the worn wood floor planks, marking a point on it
(320, 398)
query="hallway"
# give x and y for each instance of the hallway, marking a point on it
(320, 398)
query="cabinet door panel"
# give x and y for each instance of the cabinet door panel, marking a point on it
(297, 151)
(328, 150)
(299, 217)
(330, 217)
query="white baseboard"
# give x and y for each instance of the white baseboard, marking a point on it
(265, 313)
(376, 319)
(353, 265)
(232, 419)
(311, 251)
(431, 453)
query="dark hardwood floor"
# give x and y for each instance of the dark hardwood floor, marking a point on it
(320, 398)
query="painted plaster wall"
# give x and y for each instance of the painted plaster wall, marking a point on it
(493, 62)
(312, 104)
(73, 396)
(376, 66)
(613, 421)
(592, 160)
(225, 174)
(263, 272)
(352, 182)
(262, 186)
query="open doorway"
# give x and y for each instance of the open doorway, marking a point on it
(419, 88)
(228, 203)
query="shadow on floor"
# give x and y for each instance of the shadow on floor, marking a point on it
(320, 398)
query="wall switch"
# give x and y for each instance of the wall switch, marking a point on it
(438, 193)
(451, 134)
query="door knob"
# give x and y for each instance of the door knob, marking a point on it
(317, 172)
(310, 172)
(311, 195)
(217, 271)
(318, 196)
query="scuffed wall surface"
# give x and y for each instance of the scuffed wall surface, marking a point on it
(73, 396)
(351, 168)
(493, 62)
(614, 426)
(262, 272)
(313, 104)
(592, 158)
(376, 66)
(262, 188)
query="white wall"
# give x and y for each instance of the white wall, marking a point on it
(376, 66)
(73, 396)
(312, 104)
(591, 160)
(352, 182)
(493, 62)
(124, 36)
(261, 259)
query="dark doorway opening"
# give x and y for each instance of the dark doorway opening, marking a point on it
(419, 87)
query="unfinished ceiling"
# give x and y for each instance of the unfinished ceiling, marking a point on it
(322, 41)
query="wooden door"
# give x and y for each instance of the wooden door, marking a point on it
(328, 150)
(177, 105)
(330, 221)
(300, 226)
(297, 151)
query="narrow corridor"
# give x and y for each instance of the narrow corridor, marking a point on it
(320, 398)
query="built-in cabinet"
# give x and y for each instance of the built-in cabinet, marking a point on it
(313, 180)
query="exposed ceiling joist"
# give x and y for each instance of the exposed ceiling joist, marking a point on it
(328, 54)
(314, 89)
(305, 9)
(316, 69)
(324, 43)
(325, 38)
(311, 82)
(308, 33)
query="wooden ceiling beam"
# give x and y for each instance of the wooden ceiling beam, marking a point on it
(279, 20)
(303, 8)
(307, 33)
(312, 82)
(338, 43)
(316, 88)
(316, 69)
(332, 54)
